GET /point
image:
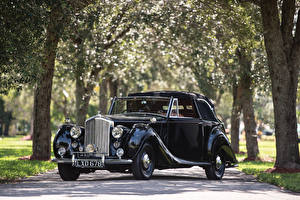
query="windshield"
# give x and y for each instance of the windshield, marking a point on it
(141, 106)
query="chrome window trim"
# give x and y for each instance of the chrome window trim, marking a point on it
(177, 109)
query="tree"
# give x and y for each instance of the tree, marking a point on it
(88, 50)
(246, 98)
(58, 19)
(282, 40)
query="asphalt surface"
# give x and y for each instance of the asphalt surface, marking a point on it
(183, 184)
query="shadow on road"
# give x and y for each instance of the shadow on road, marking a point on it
(105, 183)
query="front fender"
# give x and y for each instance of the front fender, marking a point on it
(63, 139)
(139, 135)
(218, 140)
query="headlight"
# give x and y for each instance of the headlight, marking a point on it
(117, 132)
(75, 132)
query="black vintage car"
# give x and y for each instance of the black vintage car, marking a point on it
(143, 132)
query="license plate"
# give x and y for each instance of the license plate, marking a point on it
(88, 163)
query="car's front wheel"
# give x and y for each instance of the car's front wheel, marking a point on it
(67, 172)
(144, 163)
(217, 168)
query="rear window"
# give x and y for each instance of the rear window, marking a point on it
(206, 111)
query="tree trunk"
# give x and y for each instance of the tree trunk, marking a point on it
(1, 129)
(83, 90)
(113, 87)
(283, 52)
(82, 102)
(247, 104)
(31, 121)
(235, 119)
(7, 123)
(218, 98)
(103, 96)
(250, 126)
(6, 129)
(41, 148)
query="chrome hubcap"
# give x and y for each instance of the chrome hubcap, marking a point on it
(146, 161)
(218, 162)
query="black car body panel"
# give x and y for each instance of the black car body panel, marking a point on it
(180, 129)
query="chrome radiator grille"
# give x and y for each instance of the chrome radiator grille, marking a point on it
(97, 132)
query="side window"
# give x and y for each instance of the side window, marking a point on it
(187, 108)
(183, 108)
(205, 111)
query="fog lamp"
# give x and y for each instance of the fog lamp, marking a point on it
(74, 145)
(90, 148)
(117, 144)
(120, 152)
(81, 149)
(61, 151)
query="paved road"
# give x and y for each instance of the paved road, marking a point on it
(183, 184)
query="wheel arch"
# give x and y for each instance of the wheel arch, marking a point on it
(63, 138)
(219, 141)
(141, 134)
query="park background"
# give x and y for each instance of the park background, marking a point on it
(67, 59)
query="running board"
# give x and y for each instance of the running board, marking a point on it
(192, 163)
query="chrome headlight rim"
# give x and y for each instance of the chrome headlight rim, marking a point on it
(117, 132)
(75, 132)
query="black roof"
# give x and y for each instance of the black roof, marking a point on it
(175, 94)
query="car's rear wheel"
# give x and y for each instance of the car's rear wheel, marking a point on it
(67, 172)
(144, 163)
(217, 168)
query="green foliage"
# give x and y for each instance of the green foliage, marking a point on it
(21, 33)
(11, 168)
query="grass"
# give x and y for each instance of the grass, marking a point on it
(11, 168)
(258, 168)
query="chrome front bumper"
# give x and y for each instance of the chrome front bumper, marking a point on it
(107, 161)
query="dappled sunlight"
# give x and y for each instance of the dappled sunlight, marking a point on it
(11, 168)
(179, 182)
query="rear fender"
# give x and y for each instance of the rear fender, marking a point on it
(218, 140)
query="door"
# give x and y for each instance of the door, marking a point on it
(185, 136)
